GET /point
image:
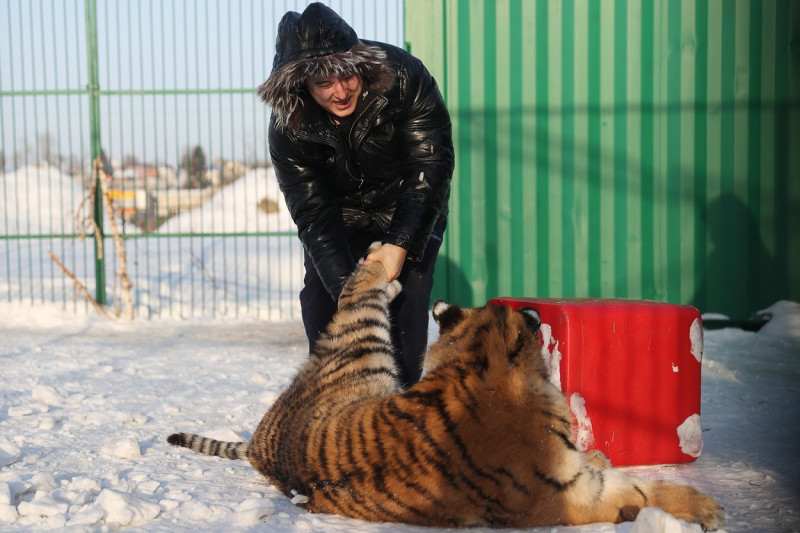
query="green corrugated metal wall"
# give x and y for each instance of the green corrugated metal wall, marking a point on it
(630, 148)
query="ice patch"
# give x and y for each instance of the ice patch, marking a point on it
(584, 436)
(690, 434)
(552, 357)
(696, 339)
(652, 519)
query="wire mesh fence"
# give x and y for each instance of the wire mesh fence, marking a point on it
(163, 91)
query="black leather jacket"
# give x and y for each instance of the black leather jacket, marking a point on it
(388, 172)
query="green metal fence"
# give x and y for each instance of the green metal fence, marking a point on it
(164, 91)
(627, 148)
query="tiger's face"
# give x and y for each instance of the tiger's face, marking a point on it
(491, 336)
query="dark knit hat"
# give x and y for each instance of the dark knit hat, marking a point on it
(318, 43)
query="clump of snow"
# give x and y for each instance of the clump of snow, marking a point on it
(127, 448)
(47, 395)
(5, 494)
(551, 355)
(298, 499)
(125, 509)
(696, 339)
(584, 434)
(690, 436)
(9, 454)
(652, 519)
(253, 511)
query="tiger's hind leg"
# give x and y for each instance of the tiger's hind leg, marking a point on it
(609, 495)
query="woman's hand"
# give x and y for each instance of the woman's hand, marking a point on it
(391, 257)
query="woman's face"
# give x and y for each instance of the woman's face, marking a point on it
(337, 96)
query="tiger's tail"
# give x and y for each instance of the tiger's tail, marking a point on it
(206, 446)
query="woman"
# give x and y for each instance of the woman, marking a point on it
(360, 140)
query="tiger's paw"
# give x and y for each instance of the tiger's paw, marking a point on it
(709, 514)
(691, 505)
(373, 247)
(393, 289)
(597, 459)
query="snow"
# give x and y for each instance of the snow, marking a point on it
(188, 276)
(45, 201)
(690, 435)
(696, 340)
(86, 404)
(584, 436)
(235, 208)
(551, 356)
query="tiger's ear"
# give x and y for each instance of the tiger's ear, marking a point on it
(446, 315)
(532, 318)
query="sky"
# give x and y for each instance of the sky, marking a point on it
(149, 50)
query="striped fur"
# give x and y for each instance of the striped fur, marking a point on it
(204, 445)
(483, 440)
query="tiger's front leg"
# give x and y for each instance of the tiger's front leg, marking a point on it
(368, 277)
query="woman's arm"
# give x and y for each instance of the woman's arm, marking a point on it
(426, 147)
(314, 211)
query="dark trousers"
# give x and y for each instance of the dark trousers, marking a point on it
(409, 310)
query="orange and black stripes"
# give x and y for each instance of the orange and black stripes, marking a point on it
(483, 440)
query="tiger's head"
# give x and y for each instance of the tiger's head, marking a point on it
(493, 339)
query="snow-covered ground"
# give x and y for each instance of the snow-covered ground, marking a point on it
(86, 406)
(197, 275)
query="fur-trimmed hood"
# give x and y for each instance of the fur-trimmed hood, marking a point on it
(318, 43)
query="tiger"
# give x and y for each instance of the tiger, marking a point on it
(483, 439)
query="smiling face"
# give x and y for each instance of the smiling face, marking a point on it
(337, 96)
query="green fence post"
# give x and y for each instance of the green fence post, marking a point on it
(94, 125)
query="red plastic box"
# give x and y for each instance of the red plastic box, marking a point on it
(631, 372)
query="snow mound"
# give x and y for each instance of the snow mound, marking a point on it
(235, 208)
(785, 321)
(43, 201)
